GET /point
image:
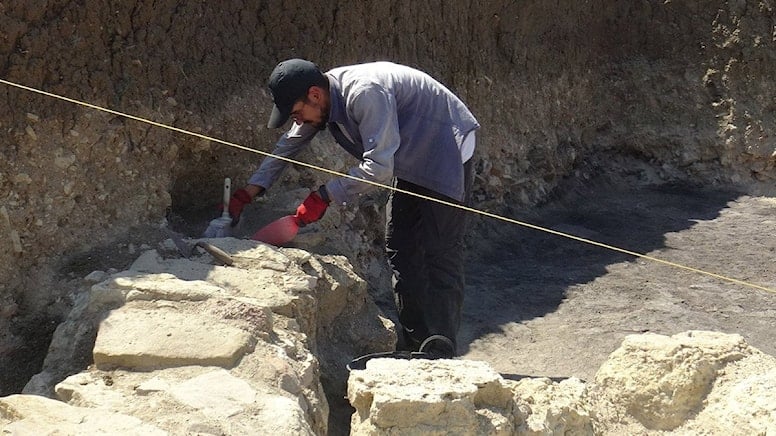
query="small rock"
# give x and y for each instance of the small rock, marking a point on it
(96, 276)
(23, 178)
(31, 133)
(63, 162)
(16, 241)
(8, 310)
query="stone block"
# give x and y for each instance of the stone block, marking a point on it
(35, 415)
(393, 396)
(136, 338)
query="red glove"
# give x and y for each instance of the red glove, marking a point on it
(312, 209)
(236, 204)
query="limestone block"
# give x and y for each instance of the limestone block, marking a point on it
(743, 400)
(547, 407)
(407, 397)
(271, 283)
(193, 400)
(133, 285)
(216, 394)
(32, 414)
(752, 404)
(164, 337)
(278, 415)
(86, 389)
(661, 381)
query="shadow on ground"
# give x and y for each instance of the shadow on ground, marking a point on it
(517, 273)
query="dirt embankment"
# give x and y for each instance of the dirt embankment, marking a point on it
(685, 87)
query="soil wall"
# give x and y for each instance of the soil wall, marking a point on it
(562, 89)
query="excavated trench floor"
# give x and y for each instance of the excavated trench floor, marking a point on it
(539, 304)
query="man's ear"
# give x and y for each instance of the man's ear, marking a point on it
(315, 93)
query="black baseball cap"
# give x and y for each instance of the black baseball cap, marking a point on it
(289, 82)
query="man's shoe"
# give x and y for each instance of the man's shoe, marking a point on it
(409, 342)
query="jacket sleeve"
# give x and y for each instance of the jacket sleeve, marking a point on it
(289, 145)
(374, 110)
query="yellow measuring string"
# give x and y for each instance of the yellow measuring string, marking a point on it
(339, 174)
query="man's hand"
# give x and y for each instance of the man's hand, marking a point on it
(239, 199)
(312, 209)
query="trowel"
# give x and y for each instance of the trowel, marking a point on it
(221, 226)
(280, 231)
(187, 250)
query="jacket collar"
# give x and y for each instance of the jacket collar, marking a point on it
(337, 112)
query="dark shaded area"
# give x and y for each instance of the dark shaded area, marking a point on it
(25, 359)
(521, 273)
(518, 377)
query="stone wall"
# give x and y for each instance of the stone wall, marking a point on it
(695, 382)
(192, 346)
(179, 346)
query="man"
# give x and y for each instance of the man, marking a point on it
(407, 129)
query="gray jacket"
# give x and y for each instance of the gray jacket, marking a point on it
(398, 121)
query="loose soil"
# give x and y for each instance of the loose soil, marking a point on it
(539, 304)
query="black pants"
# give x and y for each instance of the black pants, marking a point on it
(424, 243)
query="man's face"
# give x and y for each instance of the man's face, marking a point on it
(311, 110)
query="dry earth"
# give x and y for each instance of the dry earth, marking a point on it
(539, 304)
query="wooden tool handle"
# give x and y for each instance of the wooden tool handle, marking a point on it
(216, 252)
(227, 196)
